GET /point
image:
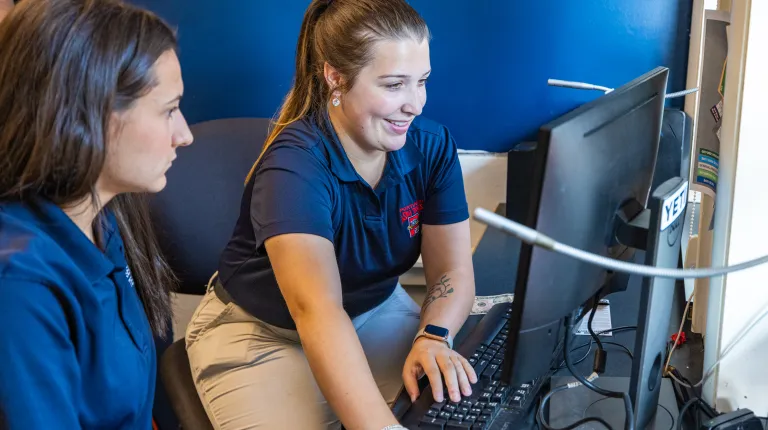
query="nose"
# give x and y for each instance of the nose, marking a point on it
(415, 101)
(182, 135)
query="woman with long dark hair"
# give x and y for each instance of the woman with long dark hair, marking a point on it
(89, 122)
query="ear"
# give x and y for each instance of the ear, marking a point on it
(332, 77)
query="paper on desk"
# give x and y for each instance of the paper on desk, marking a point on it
(483, 304)
(601, 322)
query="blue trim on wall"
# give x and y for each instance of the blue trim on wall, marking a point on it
(490, 58)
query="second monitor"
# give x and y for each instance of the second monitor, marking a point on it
(570, 185)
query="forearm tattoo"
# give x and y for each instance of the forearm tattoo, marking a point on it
(439, 290)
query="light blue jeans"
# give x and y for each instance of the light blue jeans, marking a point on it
(251, 375)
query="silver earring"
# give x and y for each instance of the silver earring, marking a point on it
(336, 102)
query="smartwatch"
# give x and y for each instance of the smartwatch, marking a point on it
(436, 333)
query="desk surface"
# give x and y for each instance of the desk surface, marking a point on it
(495, 261)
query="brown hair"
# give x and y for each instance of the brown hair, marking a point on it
(341, 33)
(65, 67)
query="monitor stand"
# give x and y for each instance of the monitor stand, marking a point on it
(577, 403)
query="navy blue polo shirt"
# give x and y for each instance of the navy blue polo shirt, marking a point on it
(305, 183)
(77, 350)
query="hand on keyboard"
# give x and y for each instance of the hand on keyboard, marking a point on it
(440, 364)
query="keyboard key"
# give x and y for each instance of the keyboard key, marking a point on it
(492, 405)
(477, 355)
(449, 408)
(457, 417)
(497, 341)
(481, 365)
(476, 411)
(489, 371)
(462, 410)
(497, 361)
(466, 403)
(484, 418)
(456, 425)
(432, 413)
(470, 418)
(482, 348)
(498, 397)
(432, 423)
(486, 395)
(444, 415)
(489, 413)
(439, 405)
(517, 401)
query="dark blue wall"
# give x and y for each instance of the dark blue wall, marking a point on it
(490, 58)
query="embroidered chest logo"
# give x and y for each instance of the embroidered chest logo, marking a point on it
(409, 215)
(129, 276)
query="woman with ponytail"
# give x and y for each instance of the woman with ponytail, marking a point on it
(305, 325)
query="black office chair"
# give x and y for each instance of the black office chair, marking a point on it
(194, 217)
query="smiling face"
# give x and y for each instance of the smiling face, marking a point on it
(376, 112)
(144, 137)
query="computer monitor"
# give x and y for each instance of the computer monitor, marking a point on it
(569, 185)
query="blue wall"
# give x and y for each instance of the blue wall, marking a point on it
(490, 58)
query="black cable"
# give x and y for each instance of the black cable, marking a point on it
(590, 343)
(545, 424)
(708, 410)
(589, 325)
(601, 356)
(618, 329)
(671, 417)
(629, 423)
(685, 407)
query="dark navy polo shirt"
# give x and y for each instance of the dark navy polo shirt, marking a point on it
(305, 183)
(77, 350)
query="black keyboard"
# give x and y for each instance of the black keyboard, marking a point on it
(492, 401)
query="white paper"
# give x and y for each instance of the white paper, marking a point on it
(601, 322)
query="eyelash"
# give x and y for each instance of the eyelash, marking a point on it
(172, 111)
(399, 85)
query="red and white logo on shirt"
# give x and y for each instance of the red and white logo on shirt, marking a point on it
(409, 215)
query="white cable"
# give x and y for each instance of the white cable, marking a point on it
(533, 237)
(679, 332)
(586, 86)
(726, 351)
(681, 93)
(577, 85)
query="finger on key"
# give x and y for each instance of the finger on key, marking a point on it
(449, 374)
(461, 374)
(471, 374)
(435, 381)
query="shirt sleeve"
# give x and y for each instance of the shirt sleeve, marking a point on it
(39, 374)
(292, 193)
(446, 202)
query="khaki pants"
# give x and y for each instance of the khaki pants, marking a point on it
(251, 375)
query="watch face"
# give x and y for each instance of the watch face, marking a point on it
(436, 331)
